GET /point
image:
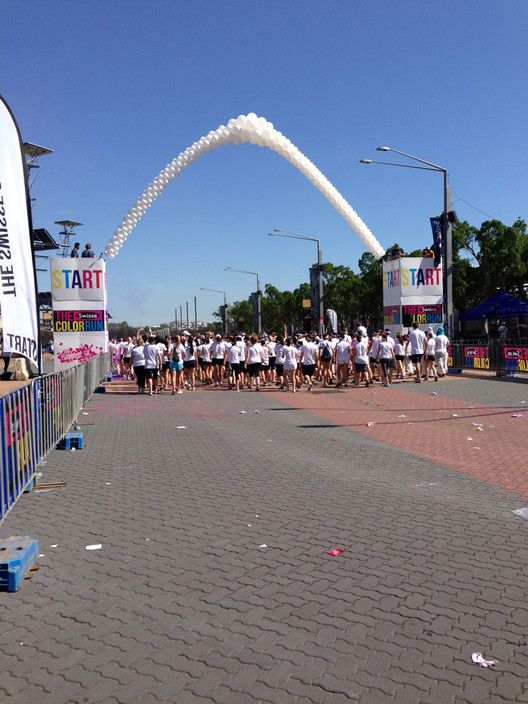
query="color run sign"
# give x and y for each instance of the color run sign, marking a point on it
(516, 359)
(412, 293)
(78, 292)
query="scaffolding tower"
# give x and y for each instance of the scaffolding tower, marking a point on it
(67, 234)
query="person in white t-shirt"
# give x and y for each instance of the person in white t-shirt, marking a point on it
(418, 345)
(176, 357)
(386, 359)
(233, 359)
(254, 362)
(430, 359)
(137, 355)
(326, 353)
(441, 354)
(218, 355)
(308, 360)
(360, 356)
(153, 363)
(374, 345)
(207, 363)
(342, 357)
(289, 353)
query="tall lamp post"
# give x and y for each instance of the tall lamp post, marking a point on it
(224, 319)
(297, 236)
(447, 216)
(259, 293)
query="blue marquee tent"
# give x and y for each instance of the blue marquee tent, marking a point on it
(500, 305)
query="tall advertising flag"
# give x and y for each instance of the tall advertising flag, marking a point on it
(18, 284)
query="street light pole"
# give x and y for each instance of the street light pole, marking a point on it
(448, 252)
(297, 236)
(259, 294)
(224, 319)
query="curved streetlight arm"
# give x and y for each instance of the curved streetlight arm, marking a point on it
(410, 156)
(295, 235)
(406, 166)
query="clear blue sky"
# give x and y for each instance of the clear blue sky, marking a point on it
(118, 89)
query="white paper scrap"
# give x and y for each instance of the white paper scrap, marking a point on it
(263, 545)
(522, 512)
(479, 660)
(94, 547)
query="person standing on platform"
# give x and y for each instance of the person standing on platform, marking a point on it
(75, 250)
(88, 253)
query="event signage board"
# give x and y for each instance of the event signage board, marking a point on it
(477, 357)
(78, 294)
(18, 288)
(516, 359)
(412, 293)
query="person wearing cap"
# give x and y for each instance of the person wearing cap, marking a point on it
(441, 354)
(397, 251)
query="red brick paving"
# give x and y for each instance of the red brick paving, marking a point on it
(429, 430)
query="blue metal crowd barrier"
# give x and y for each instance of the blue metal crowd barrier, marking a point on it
(505, 357)
(35, 417)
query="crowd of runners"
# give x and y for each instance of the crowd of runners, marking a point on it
(237, 362)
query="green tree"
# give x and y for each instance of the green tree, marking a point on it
(499, 259)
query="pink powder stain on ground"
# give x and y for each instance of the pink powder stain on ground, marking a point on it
(211, 415)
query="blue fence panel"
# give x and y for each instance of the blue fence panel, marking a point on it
(35, 417)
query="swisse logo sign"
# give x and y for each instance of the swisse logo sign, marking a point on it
(472, 352)
(430, 309)
(513, 353)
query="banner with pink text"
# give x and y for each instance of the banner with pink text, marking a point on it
(78, 293)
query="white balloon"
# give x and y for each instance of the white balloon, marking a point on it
(256, 130)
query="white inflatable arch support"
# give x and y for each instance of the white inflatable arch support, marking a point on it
(245, 128)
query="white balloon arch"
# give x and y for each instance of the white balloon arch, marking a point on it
(245, 128)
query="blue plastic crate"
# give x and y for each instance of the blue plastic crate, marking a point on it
(71, 440)
(17, 557)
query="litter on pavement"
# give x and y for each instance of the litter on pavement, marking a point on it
(98, 546)
(522, 512)
(334, 552)
(479, 660)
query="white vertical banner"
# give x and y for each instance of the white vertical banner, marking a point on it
(78, 295)
(18, 288)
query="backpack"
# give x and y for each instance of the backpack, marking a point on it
(326, 355)
(175, 355)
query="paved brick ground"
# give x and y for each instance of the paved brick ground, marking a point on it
(183, 604)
